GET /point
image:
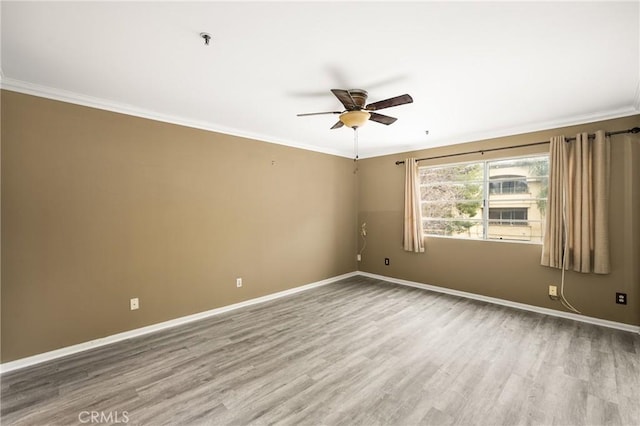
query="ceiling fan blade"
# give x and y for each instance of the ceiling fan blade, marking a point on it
(384, 119)
(344, 97)
(337, 125)
(398, 100)
(319, 113)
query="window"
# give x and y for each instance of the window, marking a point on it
(508, 184)
(497, 200)
(514, 216)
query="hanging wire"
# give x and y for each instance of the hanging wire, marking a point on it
(565, 252)
(355, 149)
(363, 234)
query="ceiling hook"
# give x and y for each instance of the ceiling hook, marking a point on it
(206, 37)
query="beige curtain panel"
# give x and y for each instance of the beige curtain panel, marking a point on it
(413, 239)
(577, 216)
(553, 242)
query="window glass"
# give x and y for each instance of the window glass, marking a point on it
(501, 199)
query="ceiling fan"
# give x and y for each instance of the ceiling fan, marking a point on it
(356, 113)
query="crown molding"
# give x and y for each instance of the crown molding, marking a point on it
(121, 108)
(519, 130)
(108, 105)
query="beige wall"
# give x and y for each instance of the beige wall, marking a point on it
(99, 207)
(504, 270)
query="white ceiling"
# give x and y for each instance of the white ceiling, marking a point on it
(475, 70)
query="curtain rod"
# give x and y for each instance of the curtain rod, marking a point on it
(482, 151)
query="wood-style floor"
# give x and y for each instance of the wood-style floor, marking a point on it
(357, 352)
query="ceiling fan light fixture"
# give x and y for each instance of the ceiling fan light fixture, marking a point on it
(354, 119)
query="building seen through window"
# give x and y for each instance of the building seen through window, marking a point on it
(508, 184)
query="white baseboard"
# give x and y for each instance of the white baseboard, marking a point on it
(70, 350)
(517, 305)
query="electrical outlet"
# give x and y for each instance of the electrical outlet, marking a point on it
(134, 303)
(359, 258)
(386, 261)
(238, 282)
(553, 291)
(621, 298)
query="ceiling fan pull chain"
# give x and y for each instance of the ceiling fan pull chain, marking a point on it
(355, 143)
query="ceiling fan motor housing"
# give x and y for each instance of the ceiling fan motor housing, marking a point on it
(359, 97)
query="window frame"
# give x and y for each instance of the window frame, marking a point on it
(486, 194)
